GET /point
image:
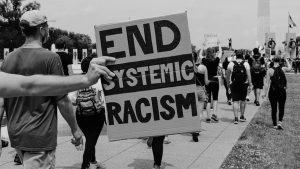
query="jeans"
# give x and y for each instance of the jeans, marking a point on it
(91, 127)
(277, 97)
(157, 149)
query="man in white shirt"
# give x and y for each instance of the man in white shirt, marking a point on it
(239, 77)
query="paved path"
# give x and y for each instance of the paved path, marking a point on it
(215, 142)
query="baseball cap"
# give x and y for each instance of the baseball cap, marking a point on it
(33, 18)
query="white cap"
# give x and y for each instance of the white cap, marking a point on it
(33, 17)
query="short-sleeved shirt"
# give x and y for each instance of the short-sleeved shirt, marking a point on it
(231, 64)
(212, 66)
(32, 121)
(66, 59)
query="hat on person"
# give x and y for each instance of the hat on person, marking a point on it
(33, 18)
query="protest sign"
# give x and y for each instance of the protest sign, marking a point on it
(211, 40)
(154, 92)
(226, 54)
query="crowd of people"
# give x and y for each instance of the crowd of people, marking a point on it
(35, 83)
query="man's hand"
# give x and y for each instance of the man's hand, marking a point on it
(77, 141)
(98, 67)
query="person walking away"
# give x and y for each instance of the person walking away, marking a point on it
(90, 115)
(239, 78)
(28, 116)
(224, 71)
(211, 62)
(258, 73)
(275, 87)
(201, 81)
(296, 64)
(66, 58)
(247, 59)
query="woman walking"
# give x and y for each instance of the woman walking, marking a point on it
(276, 85)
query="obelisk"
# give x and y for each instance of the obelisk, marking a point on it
(263, 20)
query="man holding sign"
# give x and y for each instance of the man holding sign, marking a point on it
(154, 93)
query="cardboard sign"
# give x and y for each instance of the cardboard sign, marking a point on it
(226, 54)
(211, 40)
(84, 53)
(154, 92)
(5, 52)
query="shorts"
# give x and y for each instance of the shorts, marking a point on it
(201, 94)
(239, 92)
(37, 159)
(258, 80)
(212, 90)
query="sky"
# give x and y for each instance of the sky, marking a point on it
(236, 19)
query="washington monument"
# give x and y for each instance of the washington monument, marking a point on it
(263, 20)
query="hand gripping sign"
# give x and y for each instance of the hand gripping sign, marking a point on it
(154, 92)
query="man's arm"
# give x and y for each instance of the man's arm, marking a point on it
(12, 85)
(267, 83)
(220, 50)
(248, 74)
(66, 109)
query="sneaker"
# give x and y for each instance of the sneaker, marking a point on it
(236, 120)
(166, 140)
(215, 118)
(279, 126)
(208, 120)
(257, 103)
(242, 119)
(156, 166)
(17, 160)
(275, 127)
(149, 142)
(229, 102)
(195, 137)
(97, 165)
(4, 143)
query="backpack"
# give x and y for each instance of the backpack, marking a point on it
(278, 79)
(87, 102)
(256, 66)
(239, 75)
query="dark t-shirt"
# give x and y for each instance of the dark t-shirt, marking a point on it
(66, 59)
(212, 66)
(32, 121)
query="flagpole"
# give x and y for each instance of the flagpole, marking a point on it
(288, 23)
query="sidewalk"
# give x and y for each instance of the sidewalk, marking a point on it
(215, 142)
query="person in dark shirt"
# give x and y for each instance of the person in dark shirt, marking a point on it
(211, 62)
(257, 73)
(66, 59)
(296, 64)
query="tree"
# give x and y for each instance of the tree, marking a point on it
(10, 13)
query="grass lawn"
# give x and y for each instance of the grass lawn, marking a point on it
(262, 147)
